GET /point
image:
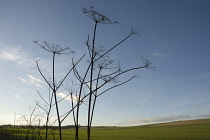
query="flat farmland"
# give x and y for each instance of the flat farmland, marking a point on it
(180, 130)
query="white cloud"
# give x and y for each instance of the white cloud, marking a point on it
(16, 96)
(158, 54)
(162, 119)
(17, 55)
(32, 80)
(7, 55)
(25, 58)
(142, 101)
(9, 119)
(23, 80)
(67, 98)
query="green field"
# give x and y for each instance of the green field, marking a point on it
(180, 130)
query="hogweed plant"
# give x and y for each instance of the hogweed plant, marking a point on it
(100, 75)
(100, 69)
(54, 50)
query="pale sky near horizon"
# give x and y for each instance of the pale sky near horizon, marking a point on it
(174, 37)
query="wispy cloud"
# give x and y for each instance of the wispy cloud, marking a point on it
(67, 97)
(26, 59)
(16, 96)
(32, 80)
(162, 119)
(142, 101)
(7, 55)
(23, 80)
(17, 55)
(158, 54)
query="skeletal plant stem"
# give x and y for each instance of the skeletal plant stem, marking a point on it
(91, 81)
(55, 97)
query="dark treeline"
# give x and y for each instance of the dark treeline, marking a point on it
(34, 126)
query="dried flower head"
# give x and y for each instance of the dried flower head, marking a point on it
(135, 32)
(97, 17)
(147, 63)
(57, 49)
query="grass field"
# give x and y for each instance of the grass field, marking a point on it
(180, 130)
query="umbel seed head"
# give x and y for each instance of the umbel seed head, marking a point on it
(97, 17)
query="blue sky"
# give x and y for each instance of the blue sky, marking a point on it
(174, 37)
